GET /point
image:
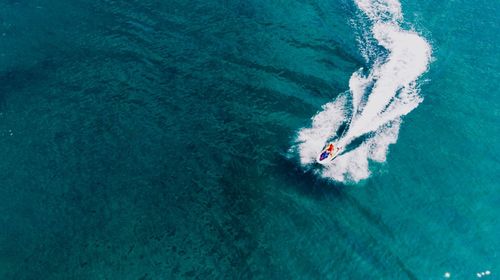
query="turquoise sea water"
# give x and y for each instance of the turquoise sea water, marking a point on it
(151, 140)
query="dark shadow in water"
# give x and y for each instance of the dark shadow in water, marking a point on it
(357, 142)
(309, 184)
(13, 80)
(16, 79)
(311, 83)
(342, 128)
(306, 182)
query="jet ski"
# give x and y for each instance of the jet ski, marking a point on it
(329, 153)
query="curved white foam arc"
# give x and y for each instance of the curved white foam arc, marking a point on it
(379, 100)
(408, 59)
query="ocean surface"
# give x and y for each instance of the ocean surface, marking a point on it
(177, 139)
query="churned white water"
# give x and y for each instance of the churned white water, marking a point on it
(375, 102)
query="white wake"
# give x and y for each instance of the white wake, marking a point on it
(373, 106)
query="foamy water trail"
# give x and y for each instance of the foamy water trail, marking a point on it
(375, 103)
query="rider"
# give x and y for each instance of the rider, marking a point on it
(330, 148)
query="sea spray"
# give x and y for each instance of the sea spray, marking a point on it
(376, 101)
